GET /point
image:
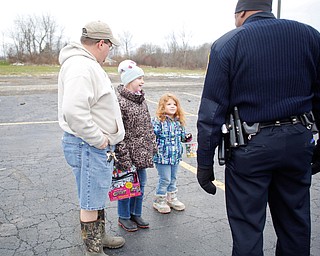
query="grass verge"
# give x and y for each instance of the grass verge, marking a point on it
(37, 70)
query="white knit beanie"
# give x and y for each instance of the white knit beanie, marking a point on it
(129, 71)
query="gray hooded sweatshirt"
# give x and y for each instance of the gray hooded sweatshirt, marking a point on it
(87, 104)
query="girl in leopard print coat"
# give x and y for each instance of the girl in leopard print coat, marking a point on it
(139, 144)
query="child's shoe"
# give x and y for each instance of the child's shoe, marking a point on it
(173, 201)
(127, 225)
(160, 204)
(141, 223)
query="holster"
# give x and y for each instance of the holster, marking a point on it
(224, 149)
(308, 120)
(232, 136)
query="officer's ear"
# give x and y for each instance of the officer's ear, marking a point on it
(242, 14)
(239, 18)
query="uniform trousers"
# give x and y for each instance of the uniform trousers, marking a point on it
(273, 169)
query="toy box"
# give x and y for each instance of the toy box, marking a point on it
(125, 184)
(191, 149)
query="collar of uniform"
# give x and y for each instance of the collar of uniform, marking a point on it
(258, 16)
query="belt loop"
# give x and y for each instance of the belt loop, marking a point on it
(294, 119)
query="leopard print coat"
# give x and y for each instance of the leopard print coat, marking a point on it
(139, 144)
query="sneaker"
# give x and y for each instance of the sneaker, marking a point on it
(141, 223)
(128, 225)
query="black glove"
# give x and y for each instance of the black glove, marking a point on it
(316, 159)
(205, 176)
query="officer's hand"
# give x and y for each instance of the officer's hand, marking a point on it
(205, 176)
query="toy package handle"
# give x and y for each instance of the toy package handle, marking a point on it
(129, 174)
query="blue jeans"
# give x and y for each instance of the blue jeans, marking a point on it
(167, 178)
(133, 205)
(91, 169)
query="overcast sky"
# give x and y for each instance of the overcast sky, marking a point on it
(151, 21)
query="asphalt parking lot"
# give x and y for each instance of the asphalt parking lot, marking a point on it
(38, 208)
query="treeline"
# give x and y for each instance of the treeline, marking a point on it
(39, 39)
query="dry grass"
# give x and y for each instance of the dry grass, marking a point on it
(35, 70)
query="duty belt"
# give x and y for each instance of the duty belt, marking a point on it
(236, 133)
(306, 119)
(292, 120)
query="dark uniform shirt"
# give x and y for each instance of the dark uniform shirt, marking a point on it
(268, 67)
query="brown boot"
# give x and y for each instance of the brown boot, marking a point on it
(111, 242)
(91, 236)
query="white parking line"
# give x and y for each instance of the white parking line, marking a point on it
(192, 95)
(185, 165)
(26, 123)
(191, 168)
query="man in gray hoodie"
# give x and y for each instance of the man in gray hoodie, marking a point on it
(90, 116)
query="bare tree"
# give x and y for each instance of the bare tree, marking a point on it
(126, 42)
(150, 55)
(185, 47)
(199, 56)
(4, 46)
(172, 49)
(178, 49)
(36, 38)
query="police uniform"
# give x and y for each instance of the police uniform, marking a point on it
(270, 69)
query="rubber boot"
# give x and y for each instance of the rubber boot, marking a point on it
(128, 225)
(160, 204)
(91, 236)
(111, 242)
(141, 223)
(173, 201)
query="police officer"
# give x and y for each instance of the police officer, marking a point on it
(270, 69)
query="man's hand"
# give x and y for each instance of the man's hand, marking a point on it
(205, 176)
(105, 143)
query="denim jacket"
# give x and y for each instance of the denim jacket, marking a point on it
(169, 135)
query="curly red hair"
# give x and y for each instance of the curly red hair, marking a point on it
(161, 114)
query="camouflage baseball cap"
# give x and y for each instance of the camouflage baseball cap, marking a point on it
(99, 30)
